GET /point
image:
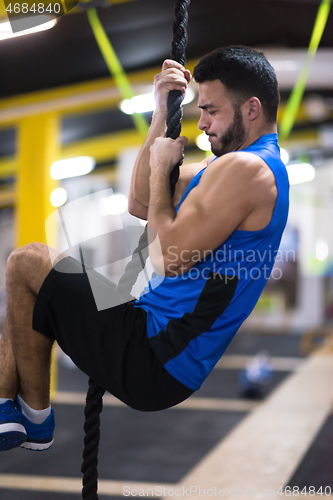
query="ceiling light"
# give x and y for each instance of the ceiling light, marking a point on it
(138, 104)
(58, 197)
(321, 250)
(203, 143)
(45, 24)
(284, 155)
(72, 167)
(146, 102)
(114, 205)
(300, 172)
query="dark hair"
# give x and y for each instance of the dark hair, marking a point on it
(245, 73)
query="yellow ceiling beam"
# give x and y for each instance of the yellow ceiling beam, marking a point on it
(84, 98)
(306, 139)
(102, 148)
(108, 147)
(74, 98)
(8, 166)
(8, 198)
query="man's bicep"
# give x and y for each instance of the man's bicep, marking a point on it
(207, 221)
(186, 174)
(210, 214)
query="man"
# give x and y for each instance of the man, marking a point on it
(218, 239)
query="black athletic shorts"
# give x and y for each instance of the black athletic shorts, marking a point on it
(111, 346)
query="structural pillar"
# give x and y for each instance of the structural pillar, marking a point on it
(37, 150)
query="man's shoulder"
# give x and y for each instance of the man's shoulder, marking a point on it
(239, 164)
(244, 174)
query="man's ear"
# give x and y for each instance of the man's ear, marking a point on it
(253, 108)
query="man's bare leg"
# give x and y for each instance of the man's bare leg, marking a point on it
(27, 268)
(25, 354)
(8, 372)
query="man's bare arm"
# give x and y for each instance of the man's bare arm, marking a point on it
(173, 76)
(235, 188)
(138, 199)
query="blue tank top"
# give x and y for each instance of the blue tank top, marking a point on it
(192, 318)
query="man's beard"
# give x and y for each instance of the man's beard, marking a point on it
(233, 137)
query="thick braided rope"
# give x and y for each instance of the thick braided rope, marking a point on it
(94, 406)
(178, 45)
(134, 267)
(94, 401)
(179, 40)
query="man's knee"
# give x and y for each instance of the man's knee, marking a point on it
(39, 248)
(31, 248)
(29, 265)
(22, 254)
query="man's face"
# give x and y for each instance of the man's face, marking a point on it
(220, 120)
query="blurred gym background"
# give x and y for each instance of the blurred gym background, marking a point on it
(58, 101)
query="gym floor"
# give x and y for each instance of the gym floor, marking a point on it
(216, 444)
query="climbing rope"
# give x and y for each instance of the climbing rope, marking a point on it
(94, 400)
(94, 406)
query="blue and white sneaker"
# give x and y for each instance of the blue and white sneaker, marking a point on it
(39, 436)
(12, 432)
